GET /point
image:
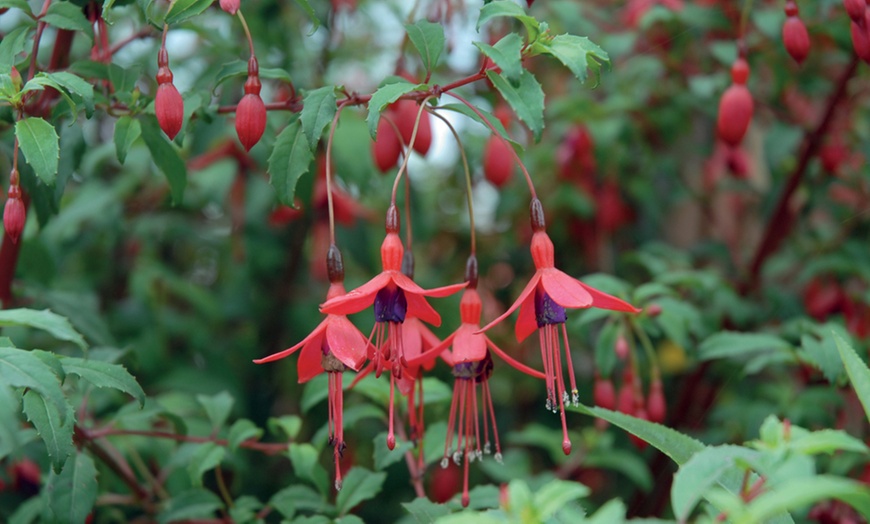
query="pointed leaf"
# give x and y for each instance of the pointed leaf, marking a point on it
(359, 484)
(11, 46)
(217, 407)
(165, 156)
(20, 368)
(207, 457)
(39, 143)
(306, 6)
(181, 10)
(318, 110)
(428, 38)
(577, 53)
(290, 159)
(857, 370)
(554, 495)
(241, 431)
(802, 492)
(56, 325)
(127, 130)
(306, 466)
(496, 123)
(507, 8)
(55, 428)
(507, 55)
(384, 96)
(701, 472)
(67, 15)
(195, 503)
(425, 511)
(73, 492)
(16, 4)
(525, 97)
(77, 85)
(104, 375)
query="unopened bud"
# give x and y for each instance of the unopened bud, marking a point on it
(230, 6)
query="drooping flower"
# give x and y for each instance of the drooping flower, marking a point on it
(735, 106)
(542, 306)
(395, 297)
(251, 111)
(794, 33)
(472, 366)
(14, 211)
(168, 104)
(334, 345)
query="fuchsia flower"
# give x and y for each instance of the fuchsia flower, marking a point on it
(395, 297)
(472, 366)
(542, 307)
(334, 345)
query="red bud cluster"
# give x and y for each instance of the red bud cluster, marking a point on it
(736, 106)
(168, 104)
(794, 34)
(14, 214)
(251, 111)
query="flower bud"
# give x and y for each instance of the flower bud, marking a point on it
(169, 107)
(406, 115)
(603, 393)
(386, 147)
(796, 39)
(16, 78)
(740, 71)
(250, 120)
(861, 41)
(498, 163)
(735, 113)
(655, 404)
(230, 6)
(14, 215)
(621, 347)
(855, 9)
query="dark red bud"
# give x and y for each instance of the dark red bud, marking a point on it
(740, 71)
(735, 113)
(471, 275)
(169, 107)
(14, 216)
(855, 9)
(796, 39)
(386, 148)
(162, 58)
(861, 41)
(392, 221)
(536, 212)
(164, 76)
(250, 120)
(498, 163)
(791, 8)
(334, 265)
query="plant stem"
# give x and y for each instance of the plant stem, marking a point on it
(265, 447)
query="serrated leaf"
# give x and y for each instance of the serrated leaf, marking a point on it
(428, 38)
(207, 457)
(56, 325)
(359, 485)
(77, 85)
(241, 431)
(857, 370)
(729, 344)
(297, 498)
(127, 130)
(196, 503)
(384, 96)
(509, 9)
(16, 4)
(104, 375)
(306, 6)
(290, 159)
(54, 427)
(73, 492)
(703, 471)
(20, 368)
(41, 80)
(802, 492)
(10, 427)
(11, 45)
(181, 10)
(577, 53)
(425, 511)
(554, 495)
(306, 467)
(217, 407)
(318, 110)
(165, 156)
(506, 54)
(66, 15)
(525, 97)
(39, 143)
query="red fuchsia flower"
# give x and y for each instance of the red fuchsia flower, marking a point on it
(334, 345)
(472, 366)
(542, 307)
(736, 106)
(794, 33)
(251, 111)
(395, 297)
(168, 104)
(14, 212)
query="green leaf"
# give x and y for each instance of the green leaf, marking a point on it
(16, 4)
(525, 97)
(506, 54)
(54, 427)
(20, 368)
(104, 375)
(181, 10)
(577, 53)
(826, 441)
(384, 456)
(217, 407)
(509, 9)
(73, 492)
(56, 325)
(77, 85)
(318, 110)
(206, 457)
(241, 431)
(288, 424)
(857, 370)
(127, 130)
(554, 495)
(290, 159)
(425, 511)
(306, 467)
(384, 96)
(306, 6)
(165, 156)
(239, 68)
(359, 484)
(39, 143)
(728, 344)
(802, 492)
(192, 504)
(41, 80)
(28, 511)
(11, 46)
(703, 471)
(123, 79)
(66, 15)
(428, 38)
(297, 498)
(10, 427)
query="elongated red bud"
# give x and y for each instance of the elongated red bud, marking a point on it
(621, 347)
(735, 113)
(405, 115)
(625, 401)
(386, 148)
(169, 107)
(498, 164)
(14, 214)
(250, 120)
(855, 9)
(655, 403)
(796, 39)
(604, 393)
(861, 40)
(230, 6)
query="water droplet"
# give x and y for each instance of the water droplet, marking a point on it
(457, 458)
(337, 484)
(444, 463)
(487, 448)
(498, 458)
(549, 405)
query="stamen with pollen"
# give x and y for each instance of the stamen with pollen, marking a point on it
(550, 316)
(390, 306)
